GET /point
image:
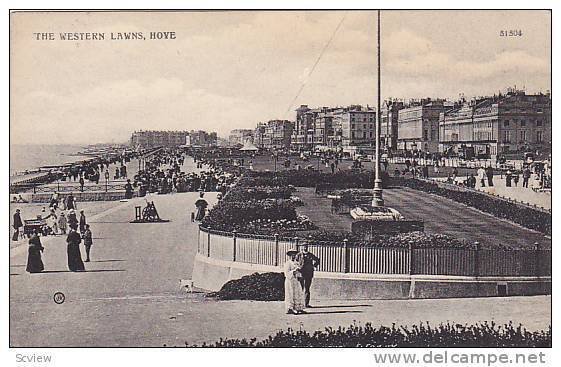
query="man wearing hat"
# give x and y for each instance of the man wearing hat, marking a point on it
(308, 262)
(17, 224)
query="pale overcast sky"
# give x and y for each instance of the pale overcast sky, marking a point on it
(231, 70)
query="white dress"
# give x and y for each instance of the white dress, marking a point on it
(293, 292)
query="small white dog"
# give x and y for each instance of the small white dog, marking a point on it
(187, 285)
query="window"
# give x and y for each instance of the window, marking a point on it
(523, 135)
(425, 134)
(506, 137)
(539, 136)
(505, 123)
(371, 134)
(522, 123)
(353, 134)
(364, 134)
(538, 122)
(364, 126)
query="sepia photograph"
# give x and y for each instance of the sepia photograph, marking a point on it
(281, 178)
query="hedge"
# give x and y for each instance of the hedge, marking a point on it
(449, 335)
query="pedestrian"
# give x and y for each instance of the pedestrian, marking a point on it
(489, 173)
(293, 291)
(17, 224)
(88, 241)
(54, 200)
(72, 219)
(201, 205)
(81, 183)
(62, 223)
(515, 178)
(128, 190)
(82, 222)
(308, 262)
(481, 176)
(526, 174)
(70, 202)
(332, 167)
(73, 240)
(53, 222)
(425, 171)
(34, 262)
(508, 178)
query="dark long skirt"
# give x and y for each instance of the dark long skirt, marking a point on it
(75, 262)
(200, 214)
(34, 262)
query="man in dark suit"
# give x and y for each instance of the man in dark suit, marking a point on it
(308, 262)
(17, 225)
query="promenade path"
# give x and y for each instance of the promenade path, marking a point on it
(440, 215)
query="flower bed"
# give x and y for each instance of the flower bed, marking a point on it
(526, 217)
(447, 335)
(403, 240)
(240, 193)
(257, 287)
(257, 217)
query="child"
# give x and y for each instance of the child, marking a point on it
(87, 237)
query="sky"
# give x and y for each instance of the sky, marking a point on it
(227, 70)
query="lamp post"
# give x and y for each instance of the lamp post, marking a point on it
(378, 200)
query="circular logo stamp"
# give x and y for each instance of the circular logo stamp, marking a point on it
(59, 298)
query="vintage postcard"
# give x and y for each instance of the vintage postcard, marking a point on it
(302, 178)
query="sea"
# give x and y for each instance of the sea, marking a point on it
(28, 157)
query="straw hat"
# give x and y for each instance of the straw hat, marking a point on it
(291, 252)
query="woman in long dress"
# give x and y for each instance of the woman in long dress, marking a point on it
(201, 205)
(293, 292)
(34, 262)
(73, 240)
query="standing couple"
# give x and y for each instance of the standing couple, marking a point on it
(298, 274)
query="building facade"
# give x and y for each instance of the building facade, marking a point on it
(389, 124)
(200, 138)
(240, 136)
(277, 135)
(258, 135)
(490, 126)
(418, 125)
(152, 138)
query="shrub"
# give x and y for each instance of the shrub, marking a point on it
(424, 335)
(258, 287)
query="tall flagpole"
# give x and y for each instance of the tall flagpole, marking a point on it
(378, 200)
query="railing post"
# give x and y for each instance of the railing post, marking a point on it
(234, 237)
(411, 262)
(537, 258)
(276, 256)
(208, 242)
(345, 255)
(476, 259)
(199, 241)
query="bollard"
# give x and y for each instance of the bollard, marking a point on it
(137, 213)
